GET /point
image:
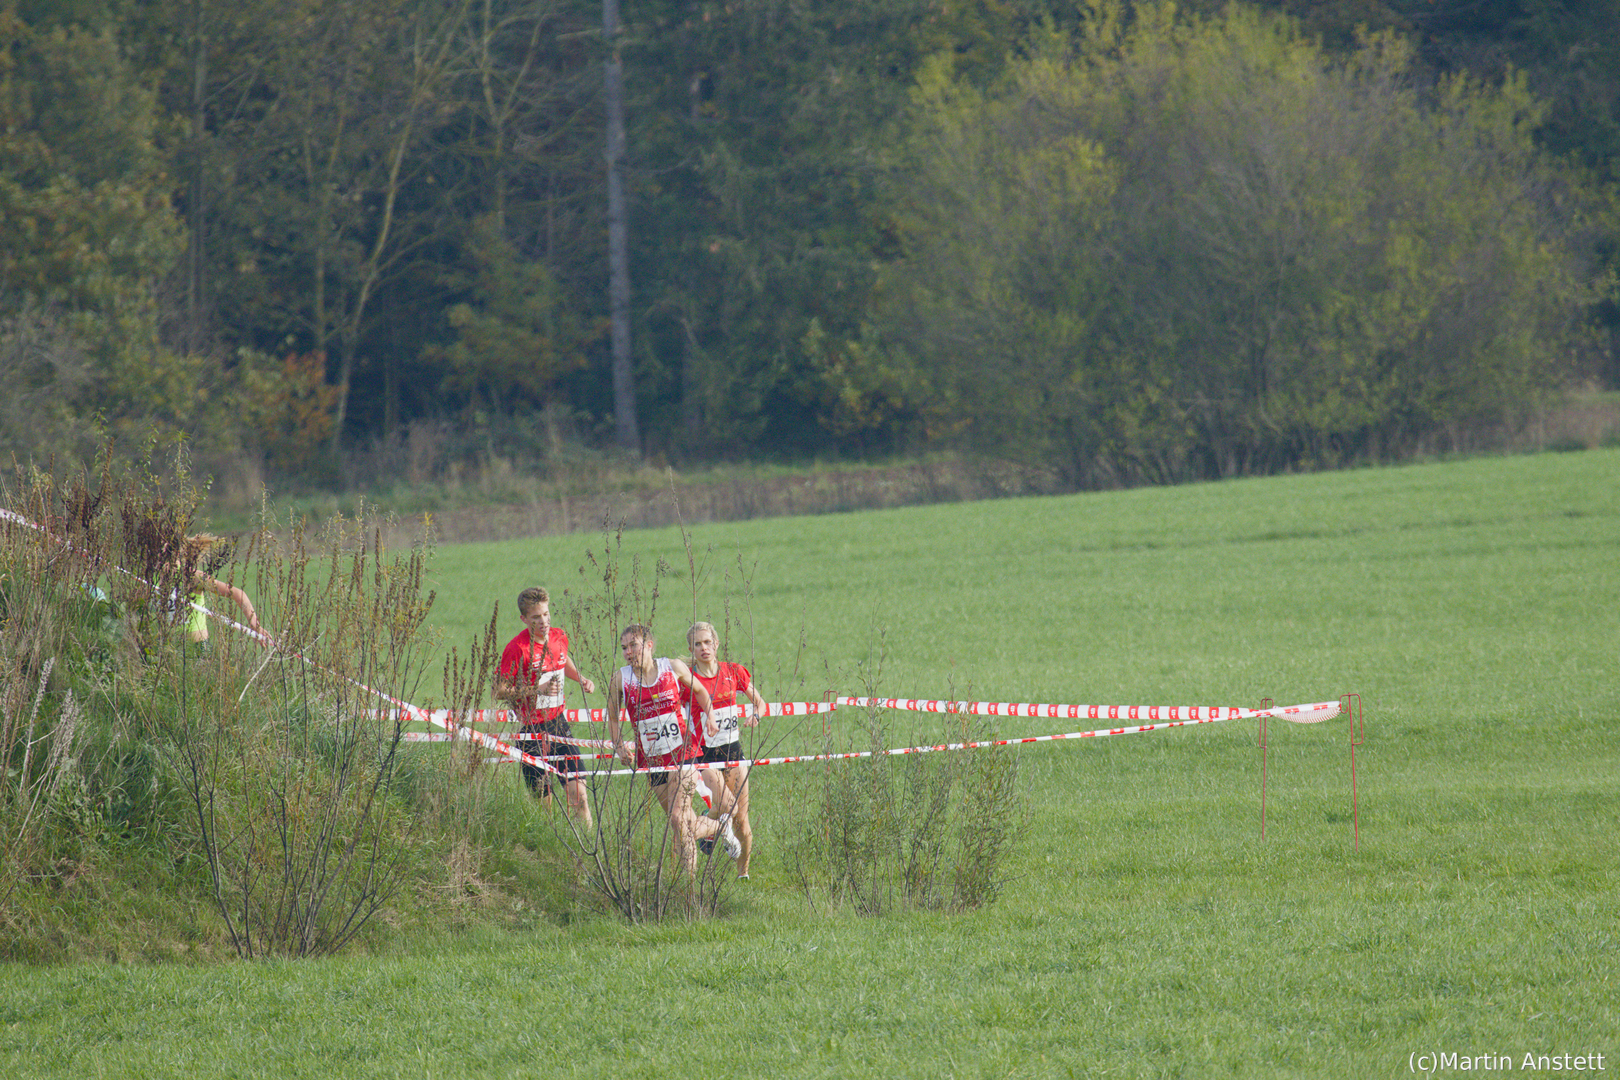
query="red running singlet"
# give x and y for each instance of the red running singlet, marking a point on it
(723, 686)
(663, 737)
(530, 663)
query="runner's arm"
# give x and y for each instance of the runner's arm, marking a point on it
(615, 694)
(700, 697)
(573, 673)
(759, 707)
(508, 689)
(232, 593)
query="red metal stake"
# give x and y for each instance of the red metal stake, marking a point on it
(1265, 703)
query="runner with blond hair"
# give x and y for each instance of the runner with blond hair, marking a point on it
(181, 605)
(648, 689)
(724, 680)
(196, 553)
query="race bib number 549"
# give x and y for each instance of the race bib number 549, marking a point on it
(660, 734)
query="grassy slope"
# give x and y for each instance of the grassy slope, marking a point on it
(1147, 931)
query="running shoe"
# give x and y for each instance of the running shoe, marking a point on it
(729, 838)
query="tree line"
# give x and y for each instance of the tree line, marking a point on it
(1126, 240)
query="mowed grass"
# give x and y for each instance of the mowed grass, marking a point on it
(1145, 929)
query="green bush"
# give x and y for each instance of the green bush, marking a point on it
(894, 831)
(255, 778)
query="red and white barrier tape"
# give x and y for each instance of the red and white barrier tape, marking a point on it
(1159, 716)
(1299, 714)
(395, 704)
(599, 716)
(1306, 714)
(257, 635)
(444, 736)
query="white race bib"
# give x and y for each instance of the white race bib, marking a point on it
(549, 691)
(660, 734)
(726, 720)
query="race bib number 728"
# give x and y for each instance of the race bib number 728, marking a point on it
(726, 720)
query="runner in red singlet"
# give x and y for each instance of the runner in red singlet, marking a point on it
(724, 680)
(648, 689)
(530, 677)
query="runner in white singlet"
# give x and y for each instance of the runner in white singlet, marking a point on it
(648, 690)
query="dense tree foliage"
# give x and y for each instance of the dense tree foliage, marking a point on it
(1181, 248)
(1132, 241)
(87, 228)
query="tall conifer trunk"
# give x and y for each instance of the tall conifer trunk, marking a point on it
(624, 385)
(197, 219)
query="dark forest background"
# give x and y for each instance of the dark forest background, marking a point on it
(349, 242)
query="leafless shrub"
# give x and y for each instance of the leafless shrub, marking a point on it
(886, 832)
(288, 754)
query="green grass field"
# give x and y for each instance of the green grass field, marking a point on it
(1145, 930)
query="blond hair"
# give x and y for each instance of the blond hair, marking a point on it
(197, 543)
